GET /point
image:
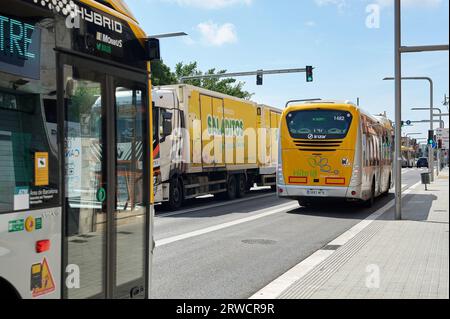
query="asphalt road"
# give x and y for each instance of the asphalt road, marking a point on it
(231, 250)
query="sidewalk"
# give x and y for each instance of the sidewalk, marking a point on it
(390, 259)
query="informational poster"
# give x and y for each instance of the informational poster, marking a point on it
(41, 169)
(73, 160)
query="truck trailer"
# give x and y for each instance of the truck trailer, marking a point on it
(206, 142)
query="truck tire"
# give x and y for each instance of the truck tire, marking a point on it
(231, 188)
(176, 195)
(241, 186)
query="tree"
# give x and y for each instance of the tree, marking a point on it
(227, 86)
(162, 75)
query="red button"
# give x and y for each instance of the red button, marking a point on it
(42, 246)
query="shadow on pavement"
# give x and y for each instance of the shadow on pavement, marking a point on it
(415, 208)
(198, 208)
(343, 210)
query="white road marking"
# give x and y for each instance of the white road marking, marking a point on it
(276, 288)
(259, 214)
(192, 210)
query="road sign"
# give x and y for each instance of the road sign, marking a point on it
(408, 123)
(443, 134)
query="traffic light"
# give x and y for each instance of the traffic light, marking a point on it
(259, 79)
(440, 144)
(430, 137)
(309, 74)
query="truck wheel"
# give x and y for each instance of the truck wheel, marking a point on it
(176, 195)
(231, 188)
(241, 186)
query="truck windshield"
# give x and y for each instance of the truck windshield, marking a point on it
(319, 124)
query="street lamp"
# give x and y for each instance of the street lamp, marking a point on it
(430, 81)
(168, 35)
(433, 109)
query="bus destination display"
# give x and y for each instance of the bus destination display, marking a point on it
(19, 48)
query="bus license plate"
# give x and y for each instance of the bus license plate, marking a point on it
(316, 192)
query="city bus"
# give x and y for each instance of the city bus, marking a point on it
(332, 150)
(76, 190)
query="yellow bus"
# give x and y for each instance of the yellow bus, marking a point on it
(333, 150)
(76, 195)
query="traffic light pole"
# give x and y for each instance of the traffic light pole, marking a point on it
(241, 74)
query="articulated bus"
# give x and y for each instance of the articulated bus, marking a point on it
(334, 150)
(76, 190)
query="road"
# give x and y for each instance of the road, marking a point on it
(217, 250)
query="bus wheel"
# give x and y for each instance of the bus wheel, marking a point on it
(231, 188)
(176, 195)
(241, 186)
(371, 200)
(304, 203)
(388, 186)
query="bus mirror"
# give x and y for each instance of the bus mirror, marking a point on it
(153, 50)
(71, 87)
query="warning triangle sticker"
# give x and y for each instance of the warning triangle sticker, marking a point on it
(47, 284)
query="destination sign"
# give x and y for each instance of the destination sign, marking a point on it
(20, 43)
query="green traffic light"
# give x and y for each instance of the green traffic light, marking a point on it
(309, 74)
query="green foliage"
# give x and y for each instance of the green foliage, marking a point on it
(162, 75)
(82, 101)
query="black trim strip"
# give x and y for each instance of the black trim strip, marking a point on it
(316, 150)
(317, 142)
(102, 61)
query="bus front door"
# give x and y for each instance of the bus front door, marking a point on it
(106, 210)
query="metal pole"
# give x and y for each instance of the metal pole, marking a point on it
(398, 111)
(241, 74)
(430, 147)
(424, 48)
(441, 125)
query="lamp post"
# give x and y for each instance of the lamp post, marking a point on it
(434, 115)
(441, 125)
(168, 35)
(430, 81)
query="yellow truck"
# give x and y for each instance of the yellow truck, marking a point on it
(210, 143)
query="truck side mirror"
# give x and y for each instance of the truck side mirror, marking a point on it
(167, 124)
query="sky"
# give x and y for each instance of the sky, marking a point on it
(349, 42)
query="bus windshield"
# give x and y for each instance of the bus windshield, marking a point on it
(319, 124)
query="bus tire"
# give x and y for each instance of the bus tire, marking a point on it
(371, 201)
(231, 188)
(176, 195)
(304, 203)
(7, 291)
(388, 186)
(241, 186)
